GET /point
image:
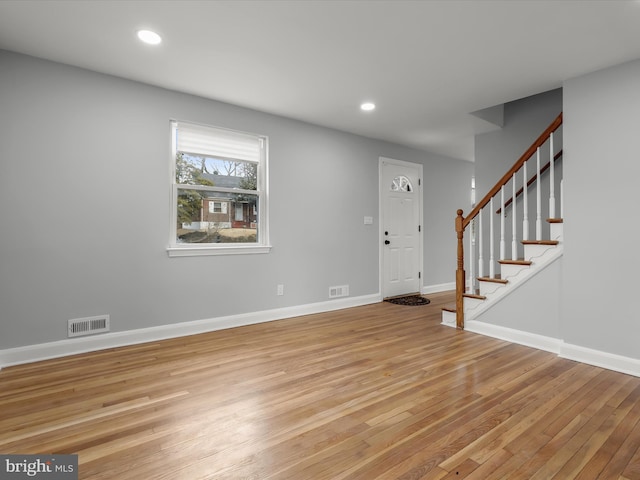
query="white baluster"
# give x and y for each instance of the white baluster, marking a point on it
(502, 223)
(514, 243)
(480, 253)
(525, 204)
(552, 184)
(538, 200)
(472, 244)
(492, 269)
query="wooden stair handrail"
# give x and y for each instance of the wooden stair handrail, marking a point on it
(531, 180)
(516, 166)
(462, 222)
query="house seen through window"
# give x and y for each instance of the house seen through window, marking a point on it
(219, 190)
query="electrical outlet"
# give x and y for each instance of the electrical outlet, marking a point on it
(280, 289)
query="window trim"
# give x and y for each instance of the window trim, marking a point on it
(195, 250)
(176, 249)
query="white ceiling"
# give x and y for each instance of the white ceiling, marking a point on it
(426, 64)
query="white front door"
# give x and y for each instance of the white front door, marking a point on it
(401, 199)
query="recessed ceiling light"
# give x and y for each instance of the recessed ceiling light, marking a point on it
(368, 106)
(147, 36)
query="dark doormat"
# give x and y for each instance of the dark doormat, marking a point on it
(411, 300)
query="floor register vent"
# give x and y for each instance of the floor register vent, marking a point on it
(78, 327)
(339, 291)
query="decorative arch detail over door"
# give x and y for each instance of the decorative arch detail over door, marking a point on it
(401, 184)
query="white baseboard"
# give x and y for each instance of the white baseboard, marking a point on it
(441, 287)
(610, 361)
(73, 346)
(541, 342)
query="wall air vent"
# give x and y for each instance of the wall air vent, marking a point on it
(339, 291)
(78, 327)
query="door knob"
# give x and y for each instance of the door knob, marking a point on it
(387, 242)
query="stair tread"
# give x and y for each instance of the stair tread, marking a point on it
(473, 295)
(514, 262)
(555, 220)
(540, 242)
(492, 280)
(449, 308)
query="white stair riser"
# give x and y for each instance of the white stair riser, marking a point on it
(471, 303)
(556, 231)
(448, 318)
(489, 288)
(537, 252)
(508, 271)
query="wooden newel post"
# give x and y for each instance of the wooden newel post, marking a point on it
(460, 275)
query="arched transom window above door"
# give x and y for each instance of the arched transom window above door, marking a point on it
(401, 184)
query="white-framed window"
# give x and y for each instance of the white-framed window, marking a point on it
(217, 207)
(218, 191)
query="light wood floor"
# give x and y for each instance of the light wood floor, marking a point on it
(375, 392)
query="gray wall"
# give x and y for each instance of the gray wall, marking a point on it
(602, 168)
(84, 205)
(443, 180)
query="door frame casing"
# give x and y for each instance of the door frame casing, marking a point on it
(401, 163)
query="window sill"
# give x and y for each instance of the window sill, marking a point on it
(199, 250)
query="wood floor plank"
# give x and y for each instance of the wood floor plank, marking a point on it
(540, 402)
(624, 456)
(376, 392)
(613, 450)
(632, 472)
(488, 469)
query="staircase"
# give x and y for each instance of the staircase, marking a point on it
(486, 231)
